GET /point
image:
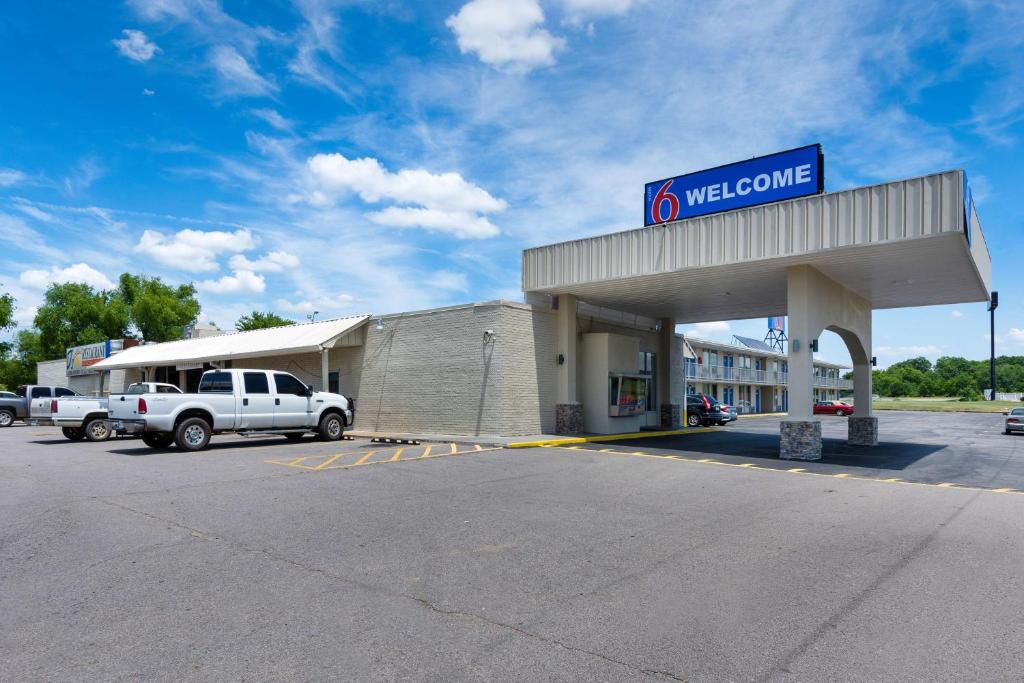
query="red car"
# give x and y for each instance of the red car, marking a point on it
(839, 408)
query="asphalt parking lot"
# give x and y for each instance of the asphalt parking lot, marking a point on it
(700, 557)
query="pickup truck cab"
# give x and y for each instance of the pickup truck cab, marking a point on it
(247, 402)
(31, 404)
(86, 416)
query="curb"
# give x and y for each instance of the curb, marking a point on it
(570, 440)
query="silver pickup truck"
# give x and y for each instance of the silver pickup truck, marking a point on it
(246, 402)
(31, 403)
(86, 416)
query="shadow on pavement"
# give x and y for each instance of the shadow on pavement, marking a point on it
(744, 446)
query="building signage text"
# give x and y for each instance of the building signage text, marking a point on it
(776, 177)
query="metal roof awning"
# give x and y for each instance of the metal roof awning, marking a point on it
(897, 244)
(274, 341)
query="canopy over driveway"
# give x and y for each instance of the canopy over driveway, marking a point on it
(825, 261)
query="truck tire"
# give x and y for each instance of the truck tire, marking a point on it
(6, 418)
(97, 430)
(332, 427)
(72, 433)
(192, 434)
(158, 439)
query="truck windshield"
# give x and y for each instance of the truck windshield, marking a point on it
(216, 383)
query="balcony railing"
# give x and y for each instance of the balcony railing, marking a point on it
(722, 373)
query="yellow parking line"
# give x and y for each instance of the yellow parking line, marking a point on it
(328, 461)
(478, 447)
(363, 459)
(397, 455)
(454, 450)
(296, 461)
(426, 451)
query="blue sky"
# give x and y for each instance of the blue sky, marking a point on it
(353, 157)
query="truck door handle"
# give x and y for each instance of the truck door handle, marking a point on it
(245, 401)
(277, 401)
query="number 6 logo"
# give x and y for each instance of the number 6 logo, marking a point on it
(660, 198)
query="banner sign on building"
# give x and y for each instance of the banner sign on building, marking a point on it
(80, 359)
(761, 180)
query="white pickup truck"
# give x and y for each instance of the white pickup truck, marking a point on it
(246, 402)
(86, 416)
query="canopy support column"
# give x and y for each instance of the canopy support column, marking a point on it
(325, 373)
(569, 411)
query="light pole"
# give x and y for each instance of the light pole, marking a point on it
(993, 304)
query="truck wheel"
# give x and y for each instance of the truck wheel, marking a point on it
(6, 418)
(72, 433)
(157, 439)
(693, 419)
(97, 430)
(332, 427)
(192, 434)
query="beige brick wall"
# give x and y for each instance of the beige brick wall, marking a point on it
(434, 372)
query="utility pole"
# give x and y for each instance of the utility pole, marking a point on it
(993, 304)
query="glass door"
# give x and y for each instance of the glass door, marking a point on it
(649, 369)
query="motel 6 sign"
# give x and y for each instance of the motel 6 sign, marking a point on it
(761, 180)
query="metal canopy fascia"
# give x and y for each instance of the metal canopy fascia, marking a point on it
(280, 341)
(896, 244)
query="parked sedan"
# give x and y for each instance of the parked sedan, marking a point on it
(1015, 421)
(840, 408)
(729, 414)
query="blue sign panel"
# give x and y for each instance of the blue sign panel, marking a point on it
(777, 323)
(761, 180)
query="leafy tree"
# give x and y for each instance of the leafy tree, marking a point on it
(158, 311)
(74, 313)
(259, 320)
(921, 364)
(6, 311)
(20, 368)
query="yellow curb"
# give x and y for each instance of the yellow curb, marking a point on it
(746, 415)
(569, 440)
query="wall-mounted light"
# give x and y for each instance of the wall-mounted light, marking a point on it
(379, 326)
(561, 359)
(814, 346)
(874, 362)
(488, 335)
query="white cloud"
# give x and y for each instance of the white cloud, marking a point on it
(957, 314)
(274, 119)
(10, 176)
(86, 172)
(505, 34)
(193, 250)
(35, 212)
(1016, 335)
(236, 75)
(135, 45)
(274, 262)
(148, 93)
(460, 224)
(242, 281)
(598, 7)
(325, 304)
(79, 272)
(335, 173)
(448, 280)
(714, 327)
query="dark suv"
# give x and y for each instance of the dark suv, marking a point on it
(703, 410)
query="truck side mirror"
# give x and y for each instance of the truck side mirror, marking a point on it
(308, 392)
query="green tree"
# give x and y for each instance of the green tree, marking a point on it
(6, 311)
(260, 320)
(20, 368)
(74, 313)
(921, 364)
(158, 311)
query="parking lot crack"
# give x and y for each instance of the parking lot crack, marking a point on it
(534, 636)
(832, 623)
